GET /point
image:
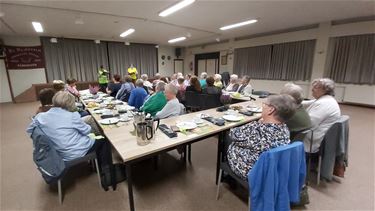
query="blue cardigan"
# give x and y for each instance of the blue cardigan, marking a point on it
(137, 97)
(277, 178)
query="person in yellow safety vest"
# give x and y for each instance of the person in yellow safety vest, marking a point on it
(103, 78)
(132, 71)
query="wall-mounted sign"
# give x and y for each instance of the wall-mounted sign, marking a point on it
(24, 57)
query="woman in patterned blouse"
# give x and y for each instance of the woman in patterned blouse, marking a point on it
(250, 140)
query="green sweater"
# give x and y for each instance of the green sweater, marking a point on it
(155, 103)
(299, 121)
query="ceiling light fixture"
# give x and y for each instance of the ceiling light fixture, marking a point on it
(38, 27)
(176, 7)
(178, 39)
(127, 32)
(238, 24)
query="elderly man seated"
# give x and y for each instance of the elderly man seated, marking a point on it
(300, 120)
(137, 95)
(156, 102)
(173, 106)
(245, 88)
(324, 111)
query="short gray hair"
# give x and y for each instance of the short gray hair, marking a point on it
(171, 88)
(160, 86)
(284, 105)
(293, 90)
(64, 100)
(204, 75)
(139, 83)
(328, 85)
(144, 77)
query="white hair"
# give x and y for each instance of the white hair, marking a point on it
(203, 75)
(139, 83)
(171, 88)
(233, 78)
(293, 90)
(217, 77)
(144, 77)
(328, 85)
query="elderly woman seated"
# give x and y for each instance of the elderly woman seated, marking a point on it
(324, 111)
(233, 84)
(137, 95)
(218, 82)
(250, 140)
(202, 81)
(68, 133)
(45, 97)
(211, 88)
(173, 106)
(245, 87)
(155, 102)
(300, 120)
(124, 93)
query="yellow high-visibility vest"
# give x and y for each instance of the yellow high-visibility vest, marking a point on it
(103, 76)
(132, 72)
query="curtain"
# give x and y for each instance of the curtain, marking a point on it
(292, 61)
(254, 61)
(285, 61)
(142, 56)
(73, 58)
(351, 59)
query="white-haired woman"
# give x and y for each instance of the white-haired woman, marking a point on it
(218, 82)
(68, 132)
(146, 83)
(324, 111)
(233, 83)
(250, 140)
(300, 120)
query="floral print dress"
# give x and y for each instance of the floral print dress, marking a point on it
(250, 140)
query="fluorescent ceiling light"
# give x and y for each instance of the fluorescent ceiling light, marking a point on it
(238, 24)
(37, 26)
(176, 7)
(127, 32)
(178, 39)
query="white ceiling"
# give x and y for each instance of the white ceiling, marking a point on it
(107, 19)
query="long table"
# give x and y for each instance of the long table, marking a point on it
(130, 152)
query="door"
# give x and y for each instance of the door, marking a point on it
(208, 62)
(178, 66)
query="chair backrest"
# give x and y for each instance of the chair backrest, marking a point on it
(210, 100)
(277, 177)
(193, 100)
(47, 159)
(300, 135)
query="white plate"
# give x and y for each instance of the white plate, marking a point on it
(255, 110)
(186, 125)
(109, 121)
(198, 121)
(232, 118)
(117, 102)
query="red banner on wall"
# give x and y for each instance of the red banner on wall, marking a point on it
(24, 57)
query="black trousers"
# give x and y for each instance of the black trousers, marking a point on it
(103, 151)
(103, 87)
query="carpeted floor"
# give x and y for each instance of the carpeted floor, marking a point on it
(173, 186)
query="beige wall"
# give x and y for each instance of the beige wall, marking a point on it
(4, 85)
(345, 92)
(167, 68)
(22, 79)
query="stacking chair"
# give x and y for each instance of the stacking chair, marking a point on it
(192, 101)
(87, 158)
(210, 101)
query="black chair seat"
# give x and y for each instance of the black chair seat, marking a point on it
(226, 168)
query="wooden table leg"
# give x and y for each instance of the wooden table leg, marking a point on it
(130, 186)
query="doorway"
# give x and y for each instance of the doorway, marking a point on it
(207, 62)
(178, 66)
